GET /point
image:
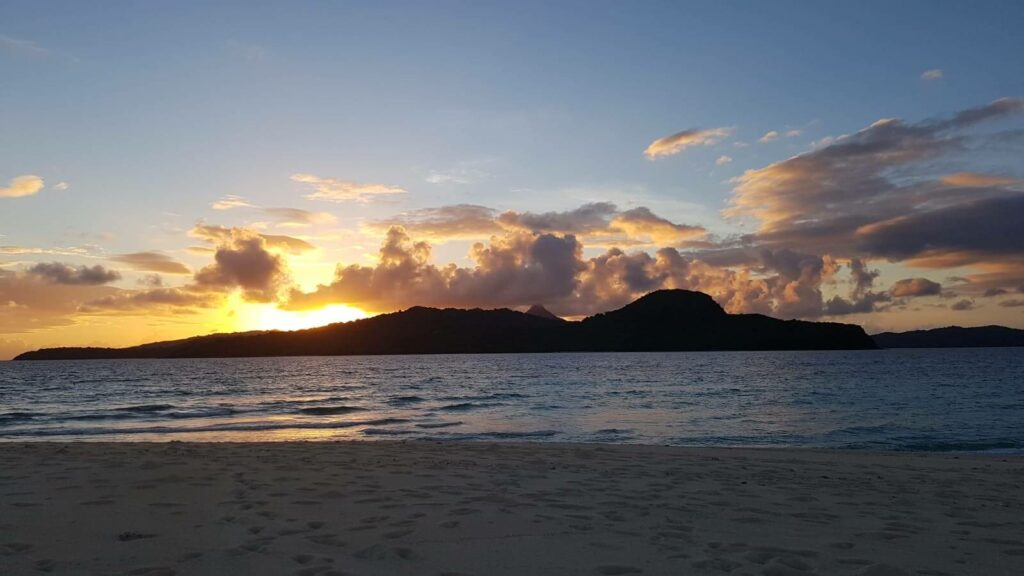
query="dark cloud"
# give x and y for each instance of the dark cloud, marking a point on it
(586, 219)
(151, 281)
(60, 273)
(961, 305)
(151, 262)
(966, 232)
(911, 287)
(246, 264)
(995, 292)
(515, 269)
(1012, 303)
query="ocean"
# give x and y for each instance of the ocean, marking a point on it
(922, 400)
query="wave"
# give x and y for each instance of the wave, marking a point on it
(228, 427)
(464, 406)
(500, 435)
(146, 408)
(15, 416)
(405, 400)
(432, 425)
(330, 410)
(385, 432)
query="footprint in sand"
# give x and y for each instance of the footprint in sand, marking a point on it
(327, 540)
(615, 569)
(128, 536)
(883, 570)
(153, 571)
(382, 552)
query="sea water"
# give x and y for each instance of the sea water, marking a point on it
(928, 400)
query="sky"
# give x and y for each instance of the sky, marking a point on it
(174, 169)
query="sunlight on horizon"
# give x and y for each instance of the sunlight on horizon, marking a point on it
(270, 317)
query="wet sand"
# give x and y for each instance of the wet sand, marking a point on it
(429, 508)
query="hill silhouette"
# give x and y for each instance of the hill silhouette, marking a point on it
(665, 320)
(952, 337)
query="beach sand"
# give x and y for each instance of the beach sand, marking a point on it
(480, 508)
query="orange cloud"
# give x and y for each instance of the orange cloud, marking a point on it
(21, 186)
(975, 180)
(676, 143)
(334, 190)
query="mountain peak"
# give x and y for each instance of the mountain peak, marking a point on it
(541, 312)
(675, 303)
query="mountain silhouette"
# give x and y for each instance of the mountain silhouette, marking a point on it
(665, 320)
(952, 337)
(541, 312)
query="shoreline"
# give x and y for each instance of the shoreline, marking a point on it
(428, 507)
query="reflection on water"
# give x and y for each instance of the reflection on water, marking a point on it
(892, 399)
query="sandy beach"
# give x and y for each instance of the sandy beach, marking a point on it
(480, 508)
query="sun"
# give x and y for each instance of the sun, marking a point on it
(270, 317)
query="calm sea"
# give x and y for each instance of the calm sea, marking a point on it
(934, 400)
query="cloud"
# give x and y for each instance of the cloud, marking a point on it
(793, 133)
(61, 251)
(991, 292)
(151, 281)
(60, 273)
(229, 202)
(17, 45)
(966, 231)
(723, 160)
(597, 223)
(298, 217)
(962, 305)
(335, 190)
(151, 262)
(33, 302)
(459, 221)
(223, 235)
(21, 186)
(61, 186)
(1012, 303)
(975, 180)
(769, 136)
(859, 196)
(676, 143)
(640, 225)
(587, 218)
(510, 271)
(11, 348)
(933, 74)
(246, 264)
(151, 301)
(524, 267)
(911, 287)
(293, 217)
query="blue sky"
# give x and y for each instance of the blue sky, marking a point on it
(152, 111)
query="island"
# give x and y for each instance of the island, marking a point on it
(664, 320)
(953, 337)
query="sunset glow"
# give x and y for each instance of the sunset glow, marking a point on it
(297, 170)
